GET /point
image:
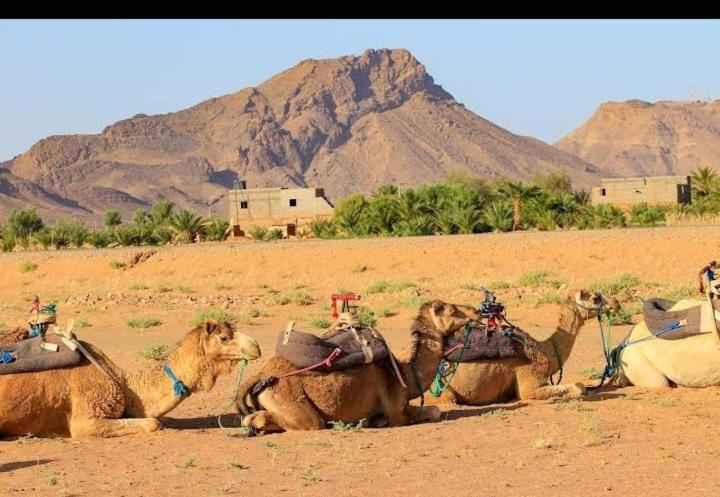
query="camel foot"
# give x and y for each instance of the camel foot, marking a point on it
(576, 391)
(415, 414)
(107, 428)
(261, 421)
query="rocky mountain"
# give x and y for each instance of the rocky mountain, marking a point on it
(347, 124)
(637, 138)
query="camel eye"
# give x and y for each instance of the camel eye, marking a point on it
(224, 339)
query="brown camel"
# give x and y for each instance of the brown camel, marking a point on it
(309, 401)
(81, 401)
(501, 380)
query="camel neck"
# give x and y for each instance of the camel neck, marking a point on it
(150, 392)
(569, 324)
(420, 370)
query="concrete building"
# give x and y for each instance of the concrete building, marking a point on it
(626, 192)
(288, 209)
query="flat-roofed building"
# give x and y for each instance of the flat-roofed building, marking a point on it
(626, 192)
(288, 209)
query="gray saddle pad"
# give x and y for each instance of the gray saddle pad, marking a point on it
(658, 319)
(483, 345)
(30, 356)
(357, 346)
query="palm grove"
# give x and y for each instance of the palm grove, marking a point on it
(461, 204)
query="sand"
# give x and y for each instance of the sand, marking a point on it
(626, 441)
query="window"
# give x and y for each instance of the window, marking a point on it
(293, 202)
(243, 204)
(602, 192)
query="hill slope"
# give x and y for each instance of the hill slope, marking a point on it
(347, 124)
(640, 138)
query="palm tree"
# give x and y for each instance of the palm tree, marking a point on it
(185, 226)
(704, 181)
(499, 216)
(582, 197)
(518, 192)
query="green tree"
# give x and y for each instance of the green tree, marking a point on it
(217, 229)
(22, 224)
(161, 212)
(113, 218)
(350, 215)
(499, 216)
(518, 192)
(388, 190)
(703, 181)
(554, 183)
(185, 225)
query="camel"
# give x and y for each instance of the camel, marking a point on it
(81, 401)
(371, 392)
(692, 361)
(502, 380)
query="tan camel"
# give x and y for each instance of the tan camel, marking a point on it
(501, 380)
(693, 361)
(81, 401)
(310, 400)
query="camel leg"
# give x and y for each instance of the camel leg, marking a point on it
(281, 414)
(112, 427)
(416, 414)
(261, 421)
(639, 371)
(569, 389)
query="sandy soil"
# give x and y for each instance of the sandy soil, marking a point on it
(625, 442)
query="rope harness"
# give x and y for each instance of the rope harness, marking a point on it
(446, 370)
(241, 370)
(178, 386)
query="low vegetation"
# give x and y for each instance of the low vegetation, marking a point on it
(143, 323)
(213, 314)
(155, 352)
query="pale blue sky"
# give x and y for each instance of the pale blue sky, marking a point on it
(538, 78)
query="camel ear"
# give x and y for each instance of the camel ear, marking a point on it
(438, 307)
(211, 326)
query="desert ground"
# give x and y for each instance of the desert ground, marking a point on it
(627, 441)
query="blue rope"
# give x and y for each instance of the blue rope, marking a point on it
(178, 386)
(35, 330)
(612, 358)
(7, 358)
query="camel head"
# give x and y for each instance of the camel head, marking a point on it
(447, 318)
(221, 342)
(589, 302)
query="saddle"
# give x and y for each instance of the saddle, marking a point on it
(37, 354)
(672, 325)
(484, 343)
(355, 345)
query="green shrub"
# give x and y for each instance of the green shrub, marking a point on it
(8, 243)
(27, 267)
(320, 323)
(43, 237)
(213, 314)
(535, 278)
(379, 286)
(217, 230)
(155, 352)
(138, 286)
(366, 317)
(113, 218)
(184, 289)
(620, 317)
(258, 233)
(385, 312)
(98, 239)
(116, 264)
(623, 286)
(499, 285)
(323, 228)
(647, 215)
(274, 234)
(162, 288)
(147, 322)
